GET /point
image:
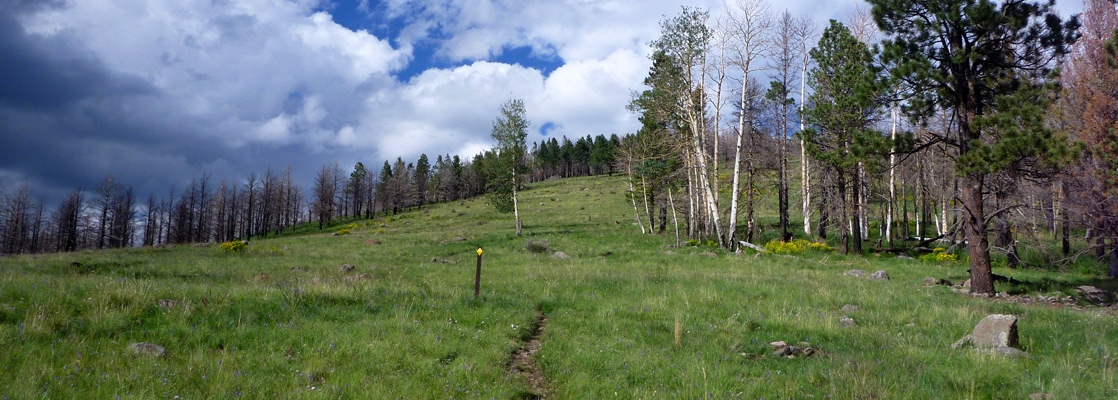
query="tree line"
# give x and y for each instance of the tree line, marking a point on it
(915, 122)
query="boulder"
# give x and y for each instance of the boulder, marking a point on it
(346, 268)
(1095, 295)
(880, 275)
(992, 332)
(560, 255)
(147, 349)
(855, 273)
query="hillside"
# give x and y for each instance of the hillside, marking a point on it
(625, 316)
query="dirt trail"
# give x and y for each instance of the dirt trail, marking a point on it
(522, 361)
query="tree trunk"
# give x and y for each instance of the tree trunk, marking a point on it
(1112, 272)
(856, 214)
(675, 220)
(633, 195)
(978, 246)
(805, 184)
(516, 204)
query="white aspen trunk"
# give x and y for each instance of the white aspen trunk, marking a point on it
(690, 200)
(516, 204)
(892, 179)
(633, 195)
(711, 206)
(733, 227)
(644, 192)
(863, 201)
(805, 182)
(675, 220)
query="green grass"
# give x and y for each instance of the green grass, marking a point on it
(413, 329)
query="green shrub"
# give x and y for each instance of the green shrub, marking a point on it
(536, 246)
(235, 246)
(692, 242)
(342, 232)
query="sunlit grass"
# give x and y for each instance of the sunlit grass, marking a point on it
(413, 330)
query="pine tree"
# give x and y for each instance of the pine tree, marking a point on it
(964, 56)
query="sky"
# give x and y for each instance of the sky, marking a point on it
(156, 92)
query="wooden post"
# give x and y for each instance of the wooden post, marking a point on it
(477, 276)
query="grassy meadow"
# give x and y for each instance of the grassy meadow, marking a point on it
(628, 316)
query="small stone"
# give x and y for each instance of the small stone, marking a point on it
(346, 268)
(851, 308)
(358, 277)
(904, 257)
(848, 322)
(147, 349)
(857, 273)
(1041, 396)
(372, 242)
(560, 255)
(459, 239)
(879, 276)
(1095, 295)
(669, 252)
(708, 254)
(168, 304)
(930, 281)
(298, 269)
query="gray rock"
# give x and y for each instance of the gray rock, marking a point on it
(560, 255)
(855, 273)
(459, 239)
(851, 308)
(904, 257)
(778, 345)
(358, 277)
(346, 268)
(847, 322)
(168, 304)
(1095, 295)
(147, 349)
(930, 281)
(879, 276)
(994, 331)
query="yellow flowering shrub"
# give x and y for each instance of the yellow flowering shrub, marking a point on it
(940, 254)
(794, 247)
(235, 246)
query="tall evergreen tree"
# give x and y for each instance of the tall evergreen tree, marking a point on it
(841, 111)
(964, 56)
